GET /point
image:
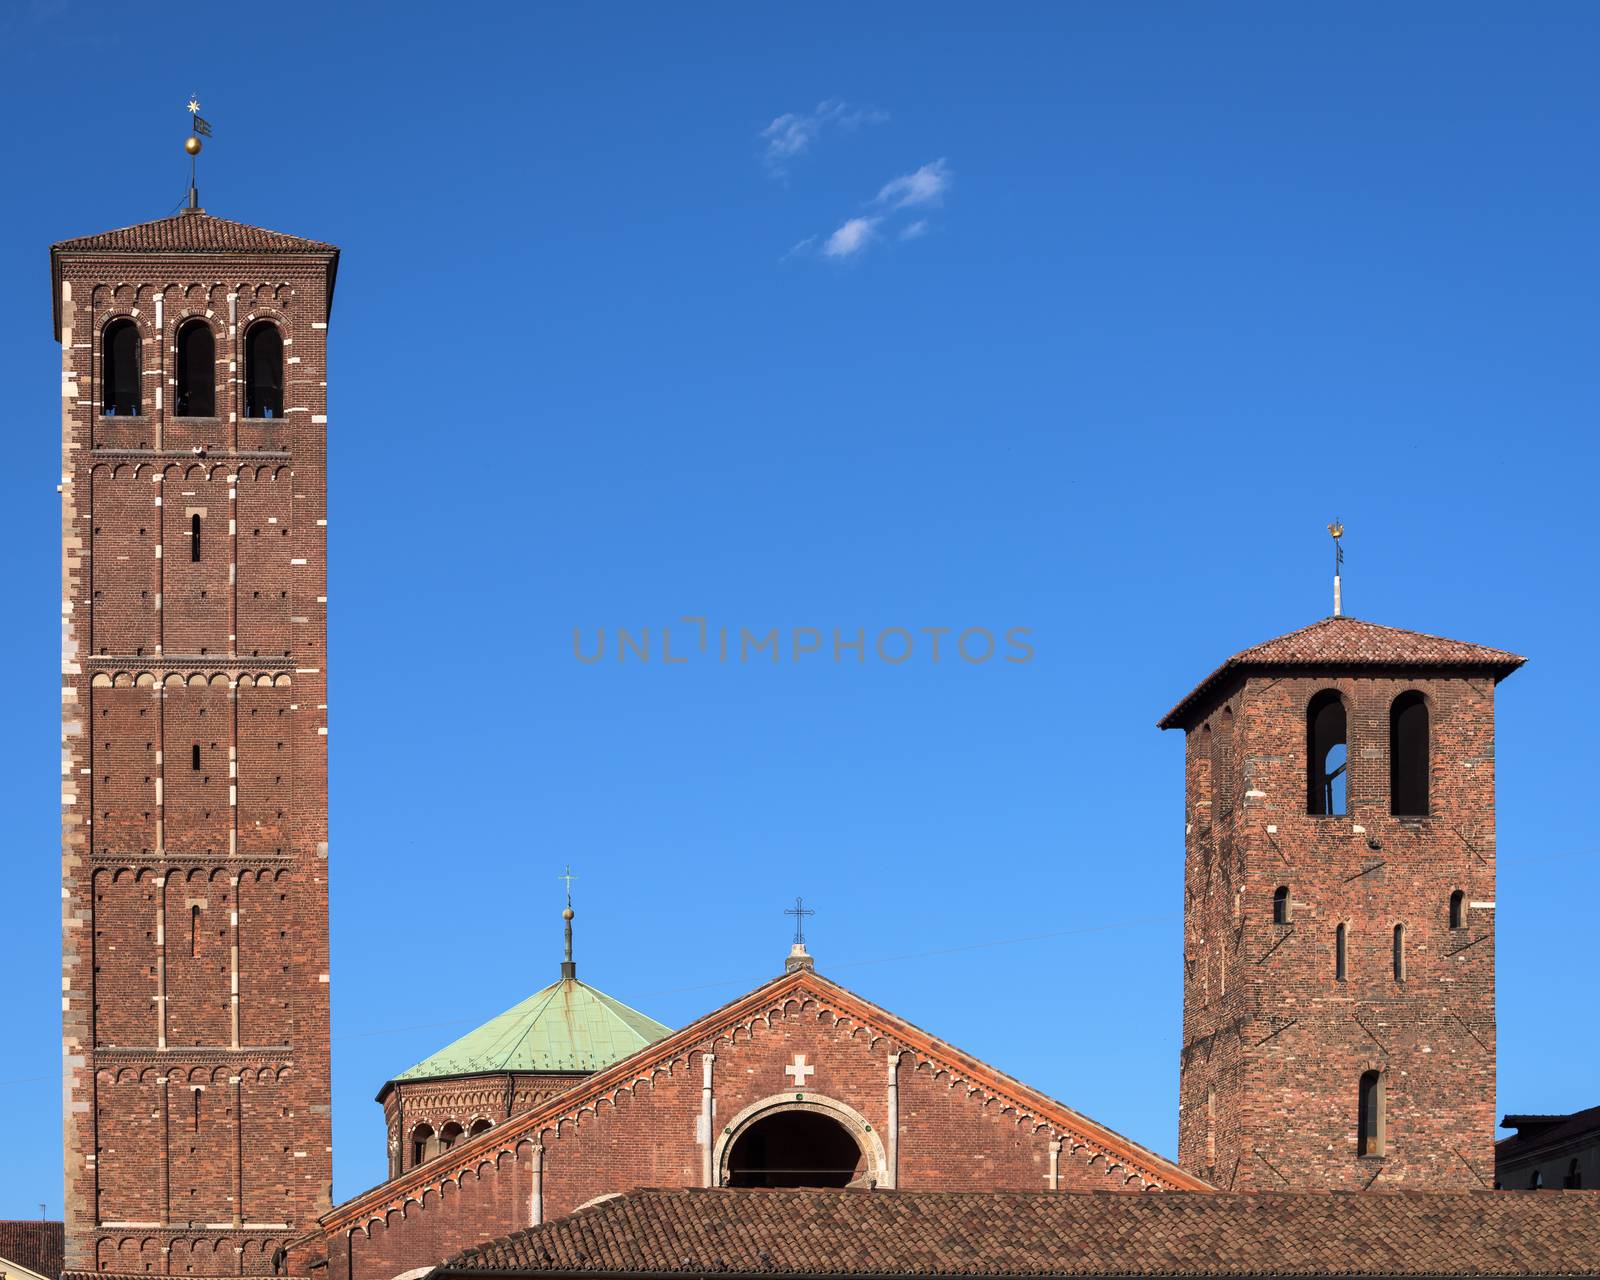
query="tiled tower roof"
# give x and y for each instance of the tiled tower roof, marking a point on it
(1350, 642)
(568, 1026)
(192, 231)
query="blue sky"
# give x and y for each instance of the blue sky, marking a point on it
(1078, 318)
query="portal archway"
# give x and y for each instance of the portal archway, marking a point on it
(789, 1141)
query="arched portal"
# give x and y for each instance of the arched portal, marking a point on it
(795, 1149)
(800, 1141)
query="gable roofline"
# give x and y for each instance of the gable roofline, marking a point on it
(1130, 1154)
(192, 233)
(1341, 642)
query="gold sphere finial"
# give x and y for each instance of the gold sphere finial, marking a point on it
(567, 913)
(191, 144)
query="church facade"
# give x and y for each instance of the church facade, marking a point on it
(1339, 884)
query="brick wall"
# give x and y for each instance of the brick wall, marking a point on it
(1274, 1043)
(194, 795)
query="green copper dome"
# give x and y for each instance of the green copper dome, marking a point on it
(568, 1026)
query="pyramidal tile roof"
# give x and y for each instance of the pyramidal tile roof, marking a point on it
(1349, 642)
(194, 231)
(568, 1026)
(744, 1233)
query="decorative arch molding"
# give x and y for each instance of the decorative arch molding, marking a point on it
(852, 1121)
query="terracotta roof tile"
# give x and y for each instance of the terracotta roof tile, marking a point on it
(1012, 1233)
(191, 233)
(40, 1246)
(1350, 642)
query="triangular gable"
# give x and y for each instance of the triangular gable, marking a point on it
(1147, 1168)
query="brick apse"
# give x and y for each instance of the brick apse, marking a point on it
(1338, 998)
(194, 774)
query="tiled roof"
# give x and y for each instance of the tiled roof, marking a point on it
(196, 232)
(1012, 1233)
(39, 1246)
(568, 1026)
(1350, 642)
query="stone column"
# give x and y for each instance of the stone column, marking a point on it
(891, 1153)
(708, 1105)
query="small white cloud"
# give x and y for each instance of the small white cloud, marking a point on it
(798, 247)
(916, 230)
(926, 186)
(851, 238)
(792, 133)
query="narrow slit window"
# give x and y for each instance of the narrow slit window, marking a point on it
(1458, 910)
(1280, 905)
(1408, 756)
(263, 377)
(1370, 1125)
(194, 931)
(119, 370)
(1327, 755)
(194, 537)
(196, 395)
(1399, 953)
(194, 758)
(1341, 951)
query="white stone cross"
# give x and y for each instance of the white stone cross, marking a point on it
(799, 1070)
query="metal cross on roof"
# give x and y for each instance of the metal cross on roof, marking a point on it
(799, 911)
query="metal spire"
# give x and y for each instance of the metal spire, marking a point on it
(192, 144)
(568, 968)
(1337, 530)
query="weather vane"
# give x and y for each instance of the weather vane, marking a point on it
(568, 968)
(1336, 529)
(192, 144)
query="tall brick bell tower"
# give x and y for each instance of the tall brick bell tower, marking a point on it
(1339, 908)
(194, 752)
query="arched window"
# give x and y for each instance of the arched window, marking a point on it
(424, 1146)
(1280, 905)
(449, 1136)
(481, 1126)
(1574, 1179)
(197, 372)
(1370, 1125)
(1458, 910)
(1326, 754)
(119, 369)
(1399, 953)
(1536, 1181)
(1408, 755)
(1341, 950)
(263, 372)
(795, 1149)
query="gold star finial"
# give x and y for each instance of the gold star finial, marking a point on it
(194, 106)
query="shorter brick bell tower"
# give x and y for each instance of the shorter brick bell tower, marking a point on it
(1339, 900)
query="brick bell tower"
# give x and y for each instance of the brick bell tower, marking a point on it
(1339, 900)
(194, 751)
